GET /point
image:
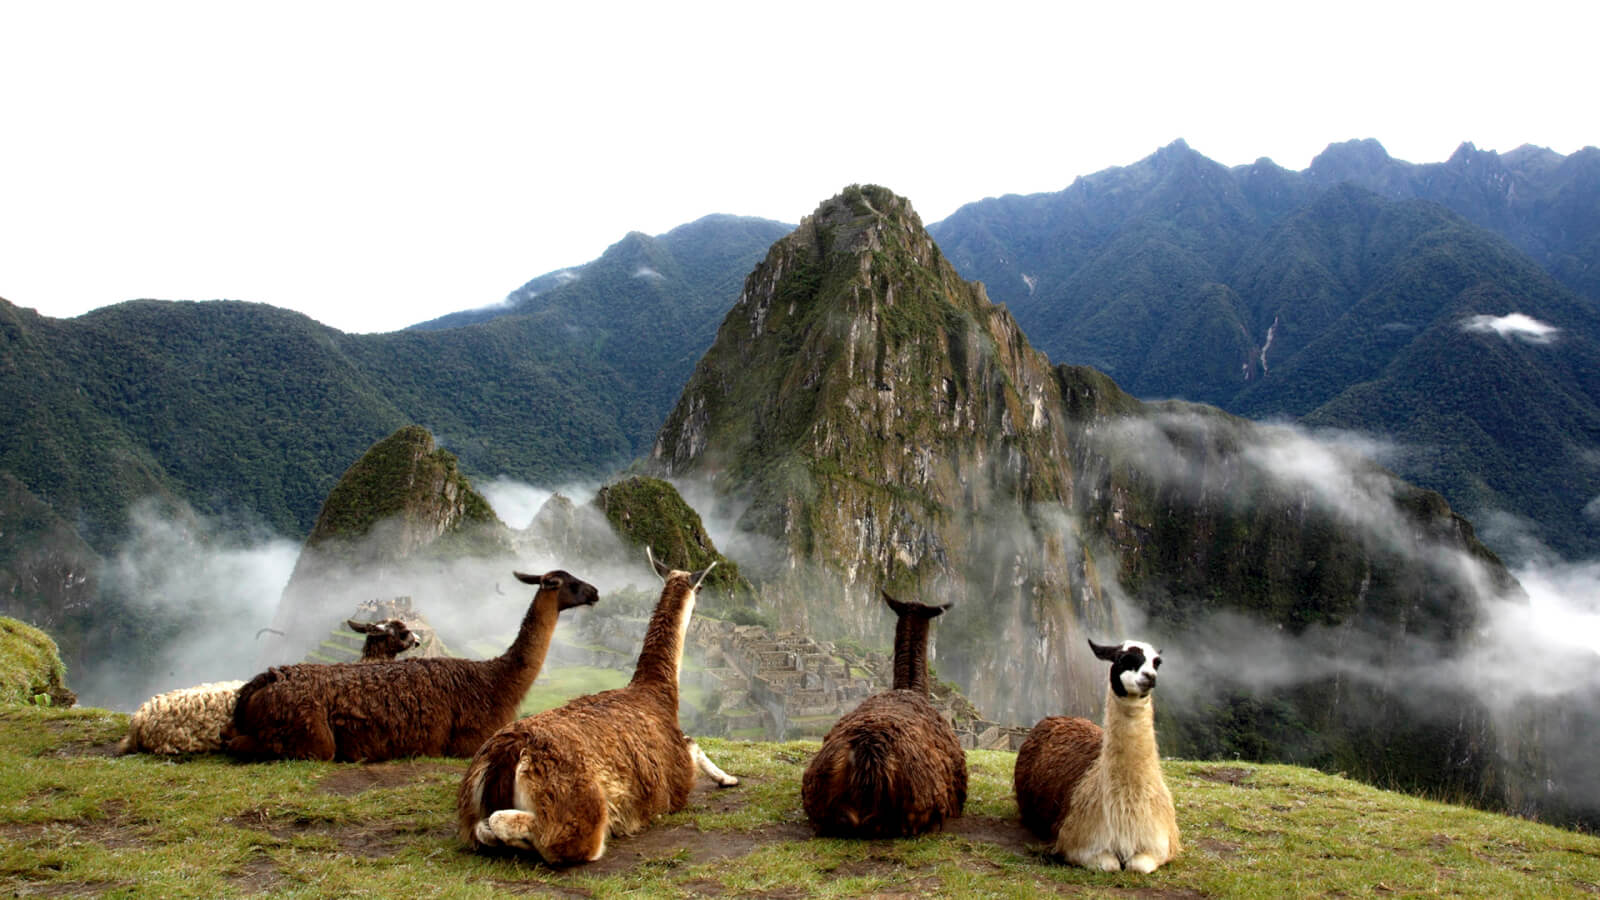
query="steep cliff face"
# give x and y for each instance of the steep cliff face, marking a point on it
(869, 420)
(404, 503)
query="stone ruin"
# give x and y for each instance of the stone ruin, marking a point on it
(787, 686)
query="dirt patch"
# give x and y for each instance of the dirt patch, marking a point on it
(1226, 775)
(1218, 848)
(65, 888)
(112, 832)
(258, 876)
(673, 846)
(81, 749)
(349, 781)
(365, 840)
(1008, 833)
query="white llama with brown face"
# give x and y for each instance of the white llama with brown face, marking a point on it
(1098, 793)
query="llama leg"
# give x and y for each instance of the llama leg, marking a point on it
(704, 763)
(507, 827)
(1103, 860)
(319, 744)
(1143, 863)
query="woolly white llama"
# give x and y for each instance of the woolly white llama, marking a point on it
(190, 720)
(560, 782)
(1099, 793)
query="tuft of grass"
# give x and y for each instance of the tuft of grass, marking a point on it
(75, 819)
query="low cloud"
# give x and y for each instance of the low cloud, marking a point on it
(1514, 326)
(649, 274)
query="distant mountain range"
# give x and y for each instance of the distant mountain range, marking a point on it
(1447, 307)
(1363, 293)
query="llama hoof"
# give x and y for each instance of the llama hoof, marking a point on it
(1104, 861)
(1143, 863)
(511, 827)
(485, 835)
(727, 780)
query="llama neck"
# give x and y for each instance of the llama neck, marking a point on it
(911, 653)
(1129, 745)
(663, 639)
(526, 654)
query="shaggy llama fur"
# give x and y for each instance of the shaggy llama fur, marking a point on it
(1099, 793)
(892, 767)
(191, 720)
(405, 707)
(561, 782)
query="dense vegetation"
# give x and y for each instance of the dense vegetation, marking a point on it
(30, 667)
(1337, 296)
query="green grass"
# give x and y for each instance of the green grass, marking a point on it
(554, 687)
(76, 820)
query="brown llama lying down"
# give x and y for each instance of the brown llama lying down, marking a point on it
(191, 720)
(1099, 794)
(385, 640)
(560, 782)
(406, 707)
(892, 767)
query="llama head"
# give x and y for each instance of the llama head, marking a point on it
(908, 608)
(392, 632)
(1133, 666)
(570, 590)
(665, 571)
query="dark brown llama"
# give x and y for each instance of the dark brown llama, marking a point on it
(892, 767)
(406, 707)
(385, 640)
(561, 782)
(191, 720)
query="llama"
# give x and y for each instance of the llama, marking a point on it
(405, 707)
(385, 640)
(1099, 793)
(892, 767)
(561, 782)
(187, 720)
(191, 720)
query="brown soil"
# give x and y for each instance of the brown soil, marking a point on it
(347, 782)
(1227, 775)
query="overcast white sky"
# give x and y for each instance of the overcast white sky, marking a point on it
(376, 165)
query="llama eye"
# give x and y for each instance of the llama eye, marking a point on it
(1156, 662)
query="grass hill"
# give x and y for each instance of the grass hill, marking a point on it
(75, 820)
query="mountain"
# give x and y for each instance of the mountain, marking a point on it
(403, 506)
(1347, 296)
(649, 306)
(129, 401)
(872, 422)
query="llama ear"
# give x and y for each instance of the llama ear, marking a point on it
(525, 578)
(697, 577)
(662, 569)
(361, 627)
(1107, 652)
